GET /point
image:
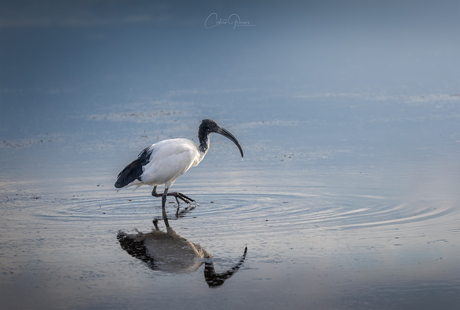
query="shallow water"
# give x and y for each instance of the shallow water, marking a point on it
(347, 198)
(319, 243)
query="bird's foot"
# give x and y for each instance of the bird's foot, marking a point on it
(182, 197)
(176, 195)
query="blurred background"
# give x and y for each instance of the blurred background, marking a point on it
(296, 76)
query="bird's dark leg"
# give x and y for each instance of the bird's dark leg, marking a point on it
(155, 223)
(163, 200)
(154, 192)
(165, 219)
(175, 194)
(163, 205)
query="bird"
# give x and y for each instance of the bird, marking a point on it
(163, 162)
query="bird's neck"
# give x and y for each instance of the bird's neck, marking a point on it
(203, 136)
(204, 145)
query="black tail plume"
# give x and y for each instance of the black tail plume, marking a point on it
(133, 171)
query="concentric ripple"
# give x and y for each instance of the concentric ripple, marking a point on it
(253, 211)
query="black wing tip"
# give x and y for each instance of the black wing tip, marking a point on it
(133, 171)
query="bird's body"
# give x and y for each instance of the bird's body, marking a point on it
(162, 163)
(165, 161)
(172, 159)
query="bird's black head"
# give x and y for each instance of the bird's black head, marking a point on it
(209, 126)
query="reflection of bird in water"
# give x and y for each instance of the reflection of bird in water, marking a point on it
(169, 252)
(165, 161)
(217, 279)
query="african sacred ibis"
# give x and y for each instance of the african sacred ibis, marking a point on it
(165, 161)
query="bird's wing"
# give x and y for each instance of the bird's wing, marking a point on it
(134, 170)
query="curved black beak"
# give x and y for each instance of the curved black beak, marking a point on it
(227, 134)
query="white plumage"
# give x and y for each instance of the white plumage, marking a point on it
(165, 161)
(169, 160)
